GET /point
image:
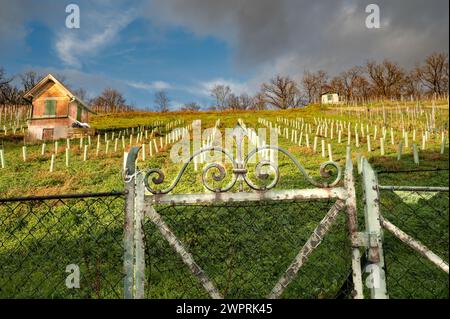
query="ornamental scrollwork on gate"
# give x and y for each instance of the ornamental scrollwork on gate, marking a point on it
(240, 169)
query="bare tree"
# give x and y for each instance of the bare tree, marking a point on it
(3, 79)
(162, 101)
(337, 85)
(29, 79)
(313, 85)
(110, 101)
(63, 79)
(81, 94)
(362, 89)
(12, 105)
(221, 93)
(434, 73)
(258, 102)
(233, 102)
(245, 101)
(387, 78)
(412, 85)
(349, 80)
(309, 85)
(321, 81)
(192, 107)
(8, 94)
(241, 102)
(282, 92)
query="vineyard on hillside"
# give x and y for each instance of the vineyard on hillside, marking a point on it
(243, 248)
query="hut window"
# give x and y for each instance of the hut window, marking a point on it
(78, 113)
(50, 107)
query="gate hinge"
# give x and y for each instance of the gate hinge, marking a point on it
(371, 241)
(361, 239)
(366, 239)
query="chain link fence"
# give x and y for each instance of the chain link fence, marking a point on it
(41, 236)
(244, 248)
(423, 215)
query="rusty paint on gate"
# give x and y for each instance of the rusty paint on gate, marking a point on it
(344, 197)
(312, 243)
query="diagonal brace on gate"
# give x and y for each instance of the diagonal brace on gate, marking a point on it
(143, 206)
(184, 254)
(415, 245)
(312, 243)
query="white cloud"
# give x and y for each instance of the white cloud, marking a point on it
(156, 85)
(93, 83)
(176, 105)
(205, 87)
(96, 32)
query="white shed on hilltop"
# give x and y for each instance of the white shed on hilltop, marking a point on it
(330, 98)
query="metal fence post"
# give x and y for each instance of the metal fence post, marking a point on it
(374, 232)
(128, 236)
(139, 265)
(352, 222)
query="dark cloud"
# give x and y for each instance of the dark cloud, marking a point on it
(291, 35)
(267, 36)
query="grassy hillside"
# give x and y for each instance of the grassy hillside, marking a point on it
(103, 172)
(243, 248)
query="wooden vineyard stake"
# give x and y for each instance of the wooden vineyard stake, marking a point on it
(2, 158)
(416, 154)
(24, 153)
(52, 163)
(399, 151)
(67, 157)
(85, 154)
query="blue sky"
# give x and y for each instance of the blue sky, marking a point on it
(138, 58)
(187, 46)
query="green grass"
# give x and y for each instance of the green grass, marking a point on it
(243, 248)
(40, 238)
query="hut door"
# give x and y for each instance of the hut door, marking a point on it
(47, 134)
